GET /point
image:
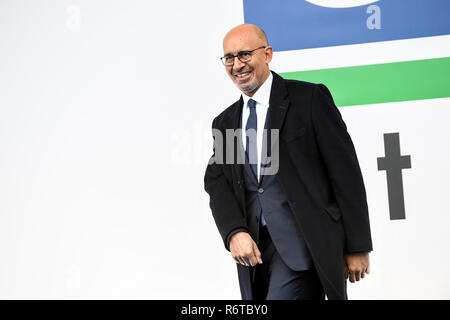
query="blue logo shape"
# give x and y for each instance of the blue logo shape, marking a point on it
(340, 3)
(302, 24)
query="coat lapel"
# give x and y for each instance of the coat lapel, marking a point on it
(234, 122)
(278, 103)
(278, 106)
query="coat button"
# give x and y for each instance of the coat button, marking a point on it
(260, 190)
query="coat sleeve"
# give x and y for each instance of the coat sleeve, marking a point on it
(338, 153)
(225, 209)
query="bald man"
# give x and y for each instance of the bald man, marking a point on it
(298, 226)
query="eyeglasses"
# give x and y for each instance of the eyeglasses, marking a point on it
(243, 56)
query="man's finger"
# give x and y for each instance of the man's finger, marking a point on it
(247, 261)
(253, 261)
(257, 253)
(241, 261)
(352, 276)
(357, 275)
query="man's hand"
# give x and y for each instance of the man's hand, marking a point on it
(356, 266)
(244, 250)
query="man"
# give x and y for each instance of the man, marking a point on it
(301, 231)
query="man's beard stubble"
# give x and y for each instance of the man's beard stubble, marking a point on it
(250, 88)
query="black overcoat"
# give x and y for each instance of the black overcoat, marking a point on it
(318, 170)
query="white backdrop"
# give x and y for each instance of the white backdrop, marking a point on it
(105, 115)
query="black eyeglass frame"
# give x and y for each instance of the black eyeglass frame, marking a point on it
(240, 53)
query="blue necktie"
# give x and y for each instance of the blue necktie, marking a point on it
(251, 144)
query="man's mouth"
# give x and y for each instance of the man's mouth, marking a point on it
(242, 75)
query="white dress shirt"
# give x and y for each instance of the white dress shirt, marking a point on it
(262, 97)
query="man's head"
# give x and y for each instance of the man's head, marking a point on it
(249, 75)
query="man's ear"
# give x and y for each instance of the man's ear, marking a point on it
(269, 52)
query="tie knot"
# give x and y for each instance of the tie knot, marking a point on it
(251, 103)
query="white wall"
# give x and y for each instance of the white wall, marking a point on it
(105, 114)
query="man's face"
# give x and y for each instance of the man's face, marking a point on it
(248, 76)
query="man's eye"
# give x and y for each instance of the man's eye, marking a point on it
(244, 54)
(229, 58)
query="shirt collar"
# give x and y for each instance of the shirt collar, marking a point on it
(262, 95)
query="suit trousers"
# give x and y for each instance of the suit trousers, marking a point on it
(274, 280)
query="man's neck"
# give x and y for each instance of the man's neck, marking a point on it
(254, 91)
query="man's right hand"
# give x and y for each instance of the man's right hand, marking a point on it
(244, 250)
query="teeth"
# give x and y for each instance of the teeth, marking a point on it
(242, 75)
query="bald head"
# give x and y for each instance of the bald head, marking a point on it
(248, 31)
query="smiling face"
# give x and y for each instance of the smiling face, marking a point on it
(248, 76)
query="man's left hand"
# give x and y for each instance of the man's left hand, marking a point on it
(356, 266)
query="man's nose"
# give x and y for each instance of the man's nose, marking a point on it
(237, 65)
